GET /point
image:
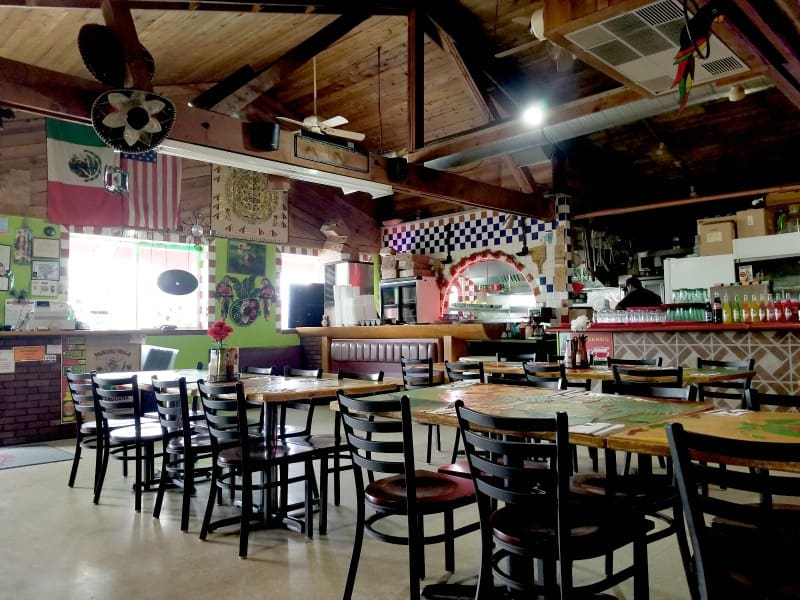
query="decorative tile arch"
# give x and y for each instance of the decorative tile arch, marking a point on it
(457, 268)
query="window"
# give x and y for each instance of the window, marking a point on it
(112, 283)
(298, 270)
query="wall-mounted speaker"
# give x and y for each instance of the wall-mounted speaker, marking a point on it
(261, 136)
(396, 168)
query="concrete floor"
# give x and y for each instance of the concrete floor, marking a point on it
(56, 544)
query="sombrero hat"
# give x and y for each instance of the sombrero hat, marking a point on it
(132, 121)
(104, 56)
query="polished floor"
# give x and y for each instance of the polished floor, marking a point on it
(56, 544)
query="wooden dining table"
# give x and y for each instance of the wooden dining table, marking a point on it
(691, 375)
(592, 416)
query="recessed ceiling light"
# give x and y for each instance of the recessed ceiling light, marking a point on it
(534, 115)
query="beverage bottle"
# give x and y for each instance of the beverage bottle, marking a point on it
(709, 312)
(717, 310)
(770, 308)
(754, 309)
(779, 316)
(787, 307)
(727, 310)
(746, 315)
(762, 308)
(737, 310)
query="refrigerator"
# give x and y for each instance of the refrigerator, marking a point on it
(410, 300)
(697, 272)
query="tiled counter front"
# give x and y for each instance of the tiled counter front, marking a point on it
(776, 352)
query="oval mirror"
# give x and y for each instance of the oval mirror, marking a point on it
(177, 282)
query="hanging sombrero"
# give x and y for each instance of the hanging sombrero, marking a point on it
(104, 56)
(132, 121)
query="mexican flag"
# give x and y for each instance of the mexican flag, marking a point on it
(76, 164)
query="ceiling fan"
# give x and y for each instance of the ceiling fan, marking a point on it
(563, 58)
(317, 124)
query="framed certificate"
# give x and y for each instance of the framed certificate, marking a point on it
(49, 270)
(46, 248)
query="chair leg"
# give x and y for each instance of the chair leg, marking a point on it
(449, 543)
(323, 496)
(138, 483)
(102, 475)
(438, 438)
(247, 510)
(310, 486)
(641, 586)
(357, 542)
(593, 455)
(430, 444)
(213, 493)
(162, 486)
(337, 435)
(416, 554)
(455, 445)
(188, 488)
(75, 460)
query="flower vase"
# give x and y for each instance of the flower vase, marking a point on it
(223, 364)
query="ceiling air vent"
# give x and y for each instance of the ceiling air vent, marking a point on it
(641, 45)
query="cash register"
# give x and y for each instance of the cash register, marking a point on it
(46, 315)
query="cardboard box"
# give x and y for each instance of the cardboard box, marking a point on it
(753, 222)
(716, 235)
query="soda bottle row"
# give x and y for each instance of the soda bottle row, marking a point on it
(760, 309)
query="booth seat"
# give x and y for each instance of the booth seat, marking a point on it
(372, 355)
(277, 356)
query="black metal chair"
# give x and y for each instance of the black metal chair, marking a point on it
(607, 386)
(755, 400)
(118, 402)
(741, 538)
(384, 447)
(417, 373)
(240, 450)
(729, 392)
(186, 446)
(87, 434)
(511, 378)
(545, 376)
(532, 530)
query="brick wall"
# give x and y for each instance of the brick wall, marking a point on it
(30, 398)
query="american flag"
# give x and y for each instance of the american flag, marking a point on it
(154, 190)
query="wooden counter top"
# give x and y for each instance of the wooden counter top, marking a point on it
(99, 332)
(466, 331)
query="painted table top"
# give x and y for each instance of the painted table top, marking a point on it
(276, 388)
(728, 423)
(591, 415)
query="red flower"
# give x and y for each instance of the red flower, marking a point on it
(219, 331)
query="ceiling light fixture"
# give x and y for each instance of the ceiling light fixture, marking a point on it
(736, 93)
(226, 158)
(534, 115)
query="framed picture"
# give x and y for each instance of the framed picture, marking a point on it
(23, 246)
(247, 257)
(49, 270)
(4, 284)
(43, 287)
(46, 248)
(5, 260)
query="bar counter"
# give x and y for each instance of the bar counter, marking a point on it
(775, 346)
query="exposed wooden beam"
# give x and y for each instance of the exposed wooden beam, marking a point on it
(117, 15)
(246, 84)
(416, 79)
(38, 90)
(384, 7)
(512, 128)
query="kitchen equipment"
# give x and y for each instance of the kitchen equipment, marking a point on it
(410, 300)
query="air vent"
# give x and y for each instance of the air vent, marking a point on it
(641, 46)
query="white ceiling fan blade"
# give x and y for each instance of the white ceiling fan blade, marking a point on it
(343, 133)
(292, 121)
(519, 48)
(334, 121)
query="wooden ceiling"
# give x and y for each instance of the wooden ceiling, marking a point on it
(461, 106)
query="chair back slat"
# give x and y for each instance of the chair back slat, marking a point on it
(464, 371)
(732, 392)
(545, 376)
(292, 372)
(737, 536)
(342, 374)
(755, 400)
(417, 372)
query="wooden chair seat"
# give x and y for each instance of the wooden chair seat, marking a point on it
(149, 431)
(435, 492)
(177, 445)
(592, 533)
(262, 456)
(654, 492)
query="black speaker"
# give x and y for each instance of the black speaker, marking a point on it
(261, 136)
(396, 168)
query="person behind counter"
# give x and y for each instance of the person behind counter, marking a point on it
(638, 296)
